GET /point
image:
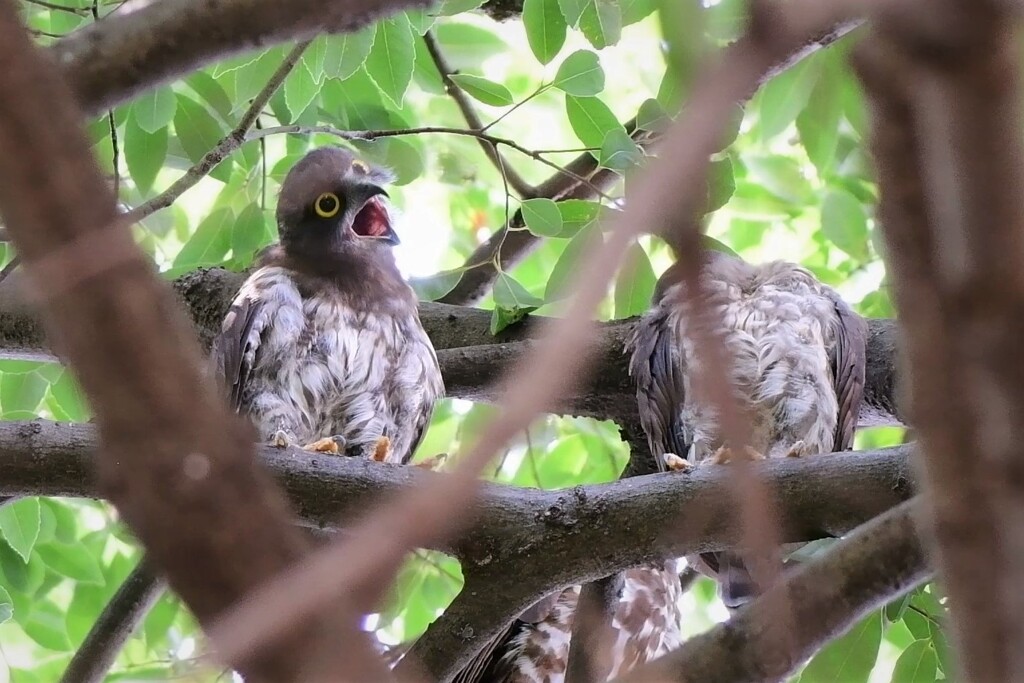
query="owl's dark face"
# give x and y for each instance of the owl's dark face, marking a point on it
(331, 202)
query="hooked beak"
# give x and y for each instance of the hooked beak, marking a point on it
(372, 219)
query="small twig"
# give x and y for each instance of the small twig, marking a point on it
(59, 8)
(10, 267)
(514, 107)
(522, 188)
(228, 144)
(119, 619)
(397, 132)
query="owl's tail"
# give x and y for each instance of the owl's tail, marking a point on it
(735, 582)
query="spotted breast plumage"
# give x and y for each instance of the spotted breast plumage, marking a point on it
(798, 362)
(535, 647)
(323, 346)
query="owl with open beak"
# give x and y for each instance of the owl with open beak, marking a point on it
(322, 346)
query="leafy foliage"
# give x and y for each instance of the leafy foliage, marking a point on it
(790, 181)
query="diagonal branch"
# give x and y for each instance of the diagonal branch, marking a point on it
(515, 181)
(115, 625)
(827, 596)
(228, 144)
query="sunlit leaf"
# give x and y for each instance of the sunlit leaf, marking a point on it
(437, 285)
(144, 152)
(300, 89)
(484, 90)
(20, 576)
(652, 116)
(844, 223)
(209, 244)
(590, 118)
(391, 59)
(6, 605)
(154, 109)
(818, 123)
(545, 28)
(213, 93)
(577, 214)
(19, 524)
(420, 19)
(849, 658)
(634, 285)
(346, 52)
(682, 28)
(450, 8)
(568, 266)
(73, 561)
(572, 10)
(467, 45)
(782, 176)
(618, 151)
(721, 184)
(45, 625)
(508, 292)
(917, 664)
(601, 22)
(250, 232)
(198, 132)
(542, 217)
(784, 96)
(580, 74)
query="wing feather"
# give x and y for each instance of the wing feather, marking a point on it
(849, 364)
(658, 369)
(234, 350)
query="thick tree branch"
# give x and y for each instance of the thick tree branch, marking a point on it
(115, 60)
(176, 462)
(825, 596)
(115, 625)
(471, 357)
(515, 181)
(944, 83)
(548, 539)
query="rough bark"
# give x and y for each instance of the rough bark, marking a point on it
(826, 597)
(943, 82)
(178, 465)
(471, 357)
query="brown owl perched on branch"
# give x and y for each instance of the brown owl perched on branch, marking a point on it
(323, 346)
(798, 354)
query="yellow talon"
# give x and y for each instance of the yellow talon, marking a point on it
(674, 463)
(326, 445)
(382, 451)
(725, 455)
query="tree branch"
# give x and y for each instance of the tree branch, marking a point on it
(592, 636)
(548, 539)
(515, 181)
(471, 357)
(228, 144)
(133, 352)
(115, 625)
(115, 60)
(826, 597)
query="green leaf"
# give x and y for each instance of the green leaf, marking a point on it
(467, 45)
(895, 609)
(250, 232)
(450, 8)
(542, 217)
(508, 292)
(849, 658)
(314, 58)
(545, 28)
(21, 394)
(70, 398)
(74, 561)
(45, 625)
(721, 184)
(347, 52)
(300, 89)
(486, 91)
(155, 109)
(502, 317)
(580, 74)
(420, 20)
(19, 523)
(213, 93)
(818, 123)
(682, 30)
(566, 269)
(652, 116)
(786, 95)
(591, 119)
(601, 22)
(144, 153)
(401, 156)
(917, 664)
(435, 286)
(572, 10)
(782, 176)
(845, 224)
(6, 605)
(577, 214)
(198, 132)
(634, 285)
(636, 10)
(210, 242)
(618, 151)
(18, 575)
(392, 57)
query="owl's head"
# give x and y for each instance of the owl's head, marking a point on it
(331, 201)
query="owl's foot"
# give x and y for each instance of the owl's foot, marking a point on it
(674, 463)
(725, 455)
(798, 450)
(381, 451)
(335, 445)
(280, 439)
(434, 463)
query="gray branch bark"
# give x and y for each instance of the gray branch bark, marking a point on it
(471, 358)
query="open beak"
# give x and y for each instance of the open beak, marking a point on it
(372, 219)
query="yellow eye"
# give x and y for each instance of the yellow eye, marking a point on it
(360, 166)
(327, 205)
